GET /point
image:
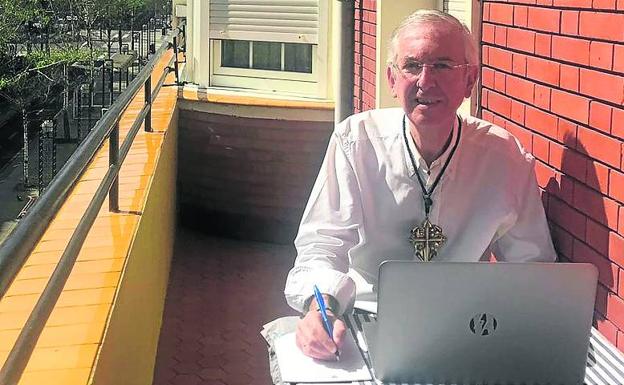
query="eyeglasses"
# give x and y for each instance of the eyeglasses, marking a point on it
(413, 69)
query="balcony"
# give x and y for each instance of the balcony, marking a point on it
(153, 297)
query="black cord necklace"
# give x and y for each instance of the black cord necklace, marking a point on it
(428, 238)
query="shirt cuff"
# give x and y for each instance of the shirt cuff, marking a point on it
(301, 281)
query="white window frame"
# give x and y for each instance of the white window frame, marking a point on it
(282, 82)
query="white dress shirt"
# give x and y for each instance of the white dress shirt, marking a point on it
(367, 198)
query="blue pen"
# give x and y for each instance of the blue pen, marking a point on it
(328, 326)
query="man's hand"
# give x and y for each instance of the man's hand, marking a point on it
(313, 340)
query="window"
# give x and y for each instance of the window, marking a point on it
(264, 55)
(277, 45)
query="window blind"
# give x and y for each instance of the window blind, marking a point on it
(291, 21)
(457, 8)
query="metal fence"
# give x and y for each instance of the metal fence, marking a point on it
(15, 250)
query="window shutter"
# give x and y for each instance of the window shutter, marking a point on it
(292, 21)
(456, 8)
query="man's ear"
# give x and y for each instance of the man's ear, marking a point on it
(391, 78)
(472, 74)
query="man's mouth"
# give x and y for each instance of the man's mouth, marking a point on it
(426, 101)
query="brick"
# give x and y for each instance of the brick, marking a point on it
(484, 97)
(520, 15)
(519, 64)
(566, 191)
(616, 249)
(485, 55)
(500, 35)
(499, 82)
(604, 4)
(566, 132)
(600, 116)
(563, 241)
(570, 49)
(606, 328)
(601, 55)
(540, 148)
(555, 155)
(487, 33)
(616, 185)
(520, 88)
(597, 176)
(543, 70)
(607, 271)
(487, 77)
(618, 58)
(544, 19)
(522, 134)
(499, 104)
(543, 44)
(487, 116)
(569, 77)
(500, 59)
(542, 96)
(617, 122)
(574, 164)
(620, 5)
(543, 174)
(517, 112)
(499, 121)
(599, 146)
(573, 3)
(621, 221)
(541, 121)
(521, 39)
(602, 294)
(611, 25)
(486, 12)
(501, 13)
(566, 217)
(596, 206)
(597, 236)
(569, 22)
(602, 85)
(570, 106)
(615, 312)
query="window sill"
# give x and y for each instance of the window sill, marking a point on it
(250, 98)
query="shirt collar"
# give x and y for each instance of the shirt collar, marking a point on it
(418, 159)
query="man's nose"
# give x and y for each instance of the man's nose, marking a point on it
(427, 78)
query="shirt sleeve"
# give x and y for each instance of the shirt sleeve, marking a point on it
(328, 230)
(527, 238)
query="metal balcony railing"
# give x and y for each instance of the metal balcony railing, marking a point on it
(18, 246)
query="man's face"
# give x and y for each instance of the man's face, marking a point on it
(433, 97)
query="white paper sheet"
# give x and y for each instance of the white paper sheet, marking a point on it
(369, 306)
(297, 367)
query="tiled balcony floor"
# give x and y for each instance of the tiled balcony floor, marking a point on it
(220, 294)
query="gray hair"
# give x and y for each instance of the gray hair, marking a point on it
(431, 16)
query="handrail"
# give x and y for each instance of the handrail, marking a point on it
(29, 230)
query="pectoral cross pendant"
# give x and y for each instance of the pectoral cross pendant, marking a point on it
(427, 240)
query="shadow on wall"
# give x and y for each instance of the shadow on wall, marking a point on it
(581, 236)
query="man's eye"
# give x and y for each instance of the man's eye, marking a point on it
(442, 66)
(412, 67)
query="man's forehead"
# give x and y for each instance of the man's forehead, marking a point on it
(436, 40)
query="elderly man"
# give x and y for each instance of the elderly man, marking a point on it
(414, 183)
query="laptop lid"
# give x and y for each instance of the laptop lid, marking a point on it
(494, 323)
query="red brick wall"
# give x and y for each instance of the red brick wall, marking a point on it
(247, 178)
(552, 76)
(365, 37)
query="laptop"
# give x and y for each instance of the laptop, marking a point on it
(482, 323)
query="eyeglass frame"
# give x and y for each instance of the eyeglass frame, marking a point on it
(432, 66)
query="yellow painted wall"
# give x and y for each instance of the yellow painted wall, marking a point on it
(128, 351)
